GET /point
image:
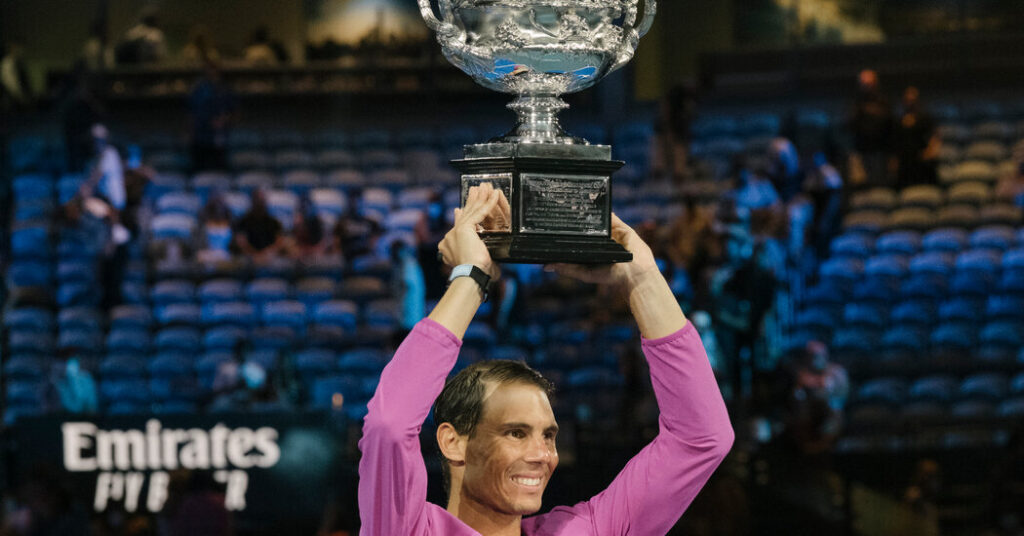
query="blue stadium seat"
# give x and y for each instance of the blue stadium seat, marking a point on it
(224, 338)
(480, 334)
(267, 289)
(207, 183)
(178, 338)
(116, 391)
(593, 377)
(972, 284)
(887, 266)
(379, 159)
(29, 274)
(346, 179)
(1000, 341)
(272, 337)
(935, 388)
(340, 313)
(312, 291)
(932, 263)
(267, 358)
(363, 361)
(249, 181)
(1012, 282)
(30, 342)
(381, 313)
(819, 321)
(75, 271)
(394, 180)
(301, 181)
(128, 339)
(173, 291)
(999, 237)
(314, 362)
(362, 289)
(220, 291)
(173, 227)
(288, 313)
(889, 391)
(25, 392)
(983, 262)
(906, 340)
(131, 316)
(78, 294)
(866, 315)
(31, 242)
(953, 338)
(962, 310)
(184, 314)
(26, 367)
(841, 270)
(175, 407)
(29, 319)
(170, 388)
(186, 203)
(1013, 408)
(854, 341)
(1004, 307)
(238, 313)
(171, 363)
(81, 340)
(945, 240)
(292, 159)
(1013, 261)
(330, 204)
(927, 286)
(247, 160)
(972, 409)
(991, 386)
(123, 366)
(335, 157)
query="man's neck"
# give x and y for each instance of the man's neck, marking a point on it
(484, 520)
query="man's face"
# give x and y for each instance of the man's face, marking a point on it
(512, 455)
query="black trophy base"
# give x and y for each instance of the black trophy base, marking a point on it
(533, 249)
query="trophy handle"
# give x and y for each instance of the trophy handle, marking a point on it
(448, 34)
(632, 34)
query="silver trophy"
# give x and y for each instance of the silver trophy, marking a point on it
(558, 186)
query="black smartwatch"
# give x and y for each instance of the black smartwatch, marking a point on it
(474, 273)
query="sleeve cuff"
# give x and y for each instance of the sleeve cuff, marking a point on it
(684, 332)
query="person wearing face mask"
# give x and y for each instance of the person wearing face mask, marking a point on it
(217, 234)
(496, 431)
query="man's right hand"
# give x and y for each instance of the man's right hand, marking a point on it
(462, 244)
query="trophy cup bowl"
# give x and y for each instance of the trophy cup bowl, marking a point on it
(559, 186)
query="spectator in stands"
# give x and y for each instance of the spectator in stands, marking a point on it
(199, 48)
(1010, 188)
(670, 154)
(784, 168)
(216, 239)
(262, 51)
(76, 389)
(15, 88)
(742, 292)
(407, 281)
(309, 241)
(824, 187)
(106, 178)
(211, 112)
(686, 243)
(915, 144)
(871, 124)
(258, 235)
(97, 54)
(817, 398)
(355, 234)
(754, 191)
(144, 42)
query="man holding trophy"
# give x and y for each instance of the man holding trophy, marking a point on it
(496, 430)
(536, 195)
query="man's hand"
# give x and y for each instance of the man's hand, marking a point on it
(654, 307)
(462, 244)
(626, 274)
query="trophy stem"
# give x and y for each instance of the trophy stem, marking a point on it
(538, 120)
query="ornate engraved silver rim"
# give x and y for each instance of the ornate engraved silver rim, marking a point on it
(602, 4)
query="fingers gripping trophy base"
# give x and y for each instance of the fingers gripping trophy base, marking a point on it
(528, 249)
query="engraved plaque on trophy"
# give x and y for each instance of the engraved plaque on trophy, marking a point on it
(559, 187)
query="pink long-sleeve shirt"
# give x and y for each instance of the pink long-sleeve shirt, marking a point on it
(646, 498)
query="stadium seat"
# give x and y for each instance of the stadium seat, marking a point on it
(173, 227)
(184, 314)
(185, 339)
(29, 319)
(123, 366)
(266, 289)
(220, 291)
(238, 313)
(128, 339)
(287, 313)
(172, 291)
(339, 313)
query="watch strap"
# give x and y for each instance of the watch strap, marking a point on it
(476, 274)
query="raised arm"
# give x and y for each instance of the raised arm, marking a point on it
(660, 482)
(392, 474)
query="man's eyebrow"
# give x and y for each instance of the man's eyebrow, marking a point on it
(523, 425)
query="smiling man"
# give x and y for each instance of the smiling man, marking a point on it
(496, 430)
